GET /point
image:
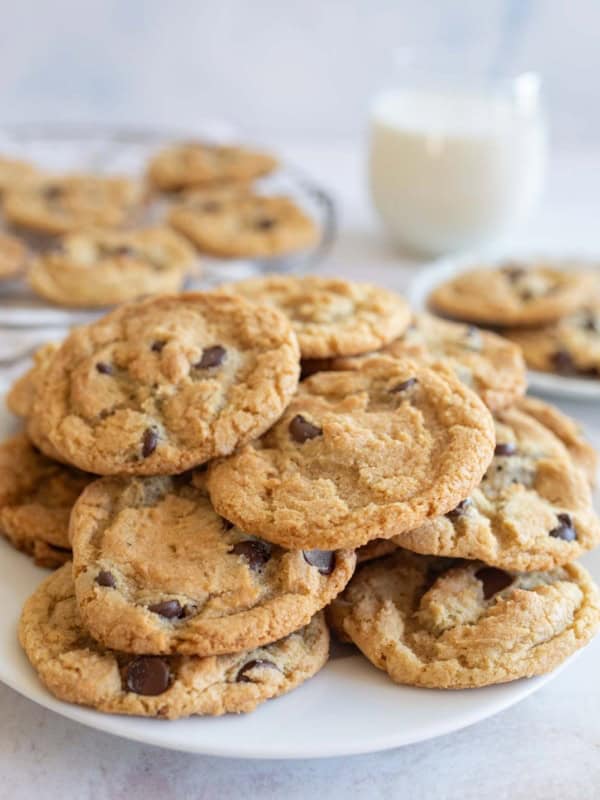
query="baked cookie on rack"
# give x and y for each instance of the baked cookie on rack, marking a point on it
(441, 624)
(513, 294)
(358, 456)
(62, 204)
(244, 225)
(75, 668)
(15, 171)
(189, 164)
(157, 570)
(98, 268)
(164, 384)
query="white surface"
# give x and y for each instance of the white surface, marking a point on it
(297, 68)
(545, 383)
(544, 748)
(452, 168)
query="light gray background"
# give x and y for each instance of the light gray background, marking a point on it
(281, 68)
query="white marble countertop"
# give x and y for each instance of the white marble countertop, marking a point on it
(546, 747)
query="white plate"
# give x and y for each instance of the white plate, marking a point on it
(348, 708)
(431, 275)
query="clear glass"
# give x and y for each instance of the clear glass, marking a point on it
(457, 152)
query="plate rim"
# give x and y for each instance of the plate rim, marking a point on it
(433, 272)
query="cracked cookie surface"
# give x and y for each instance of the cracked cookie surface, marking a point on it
(75, 668)
(331, 317)
(567, 430)
(532, 510)
(357, 456)
(157, 570)
(454, 625)
(485, 362)
(512, 295)
(162, 385)
(36, 498)
(100, 268)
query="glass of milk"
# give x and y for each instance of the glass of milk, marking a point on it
(456, 159)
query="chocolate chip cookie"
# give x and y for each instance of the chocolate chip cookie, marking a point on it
(331, 317)
(487, 363)
(75, 668)
(19, 399)
(532, 510)
(358, 456)
(567, 430)
(568, 347)
(99, 268)
(61, 204)
(200, 164)
(429, 622)
(245, 225)
(13, 256)
(15, 171)
(157, 570)
(162, 385)
(36, 498)
(514, 294)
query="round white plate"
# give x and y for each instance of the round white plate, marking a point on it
(349, 707)
(545, 383)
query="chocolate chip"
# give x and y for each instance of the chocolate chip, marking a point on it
(149, 442)
(170, 609)
(106, 578)
(147, 675)
(526, 295)
(212, 357)
(257, 663)
(591, 322)
(562, 361)
(494, 580)
(323, 560)
(565, 530)
(505, 449)
(461, 509)
(265, 224)
(103, 368)
(158, 345)
(256, 553)
(513, 273)
(52, 192)
(123, 250)
(301, 429)
(402, 387)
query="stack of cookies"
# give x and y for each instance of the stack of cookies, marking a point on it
(209, 510)
(100, 240)
(552, 311)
